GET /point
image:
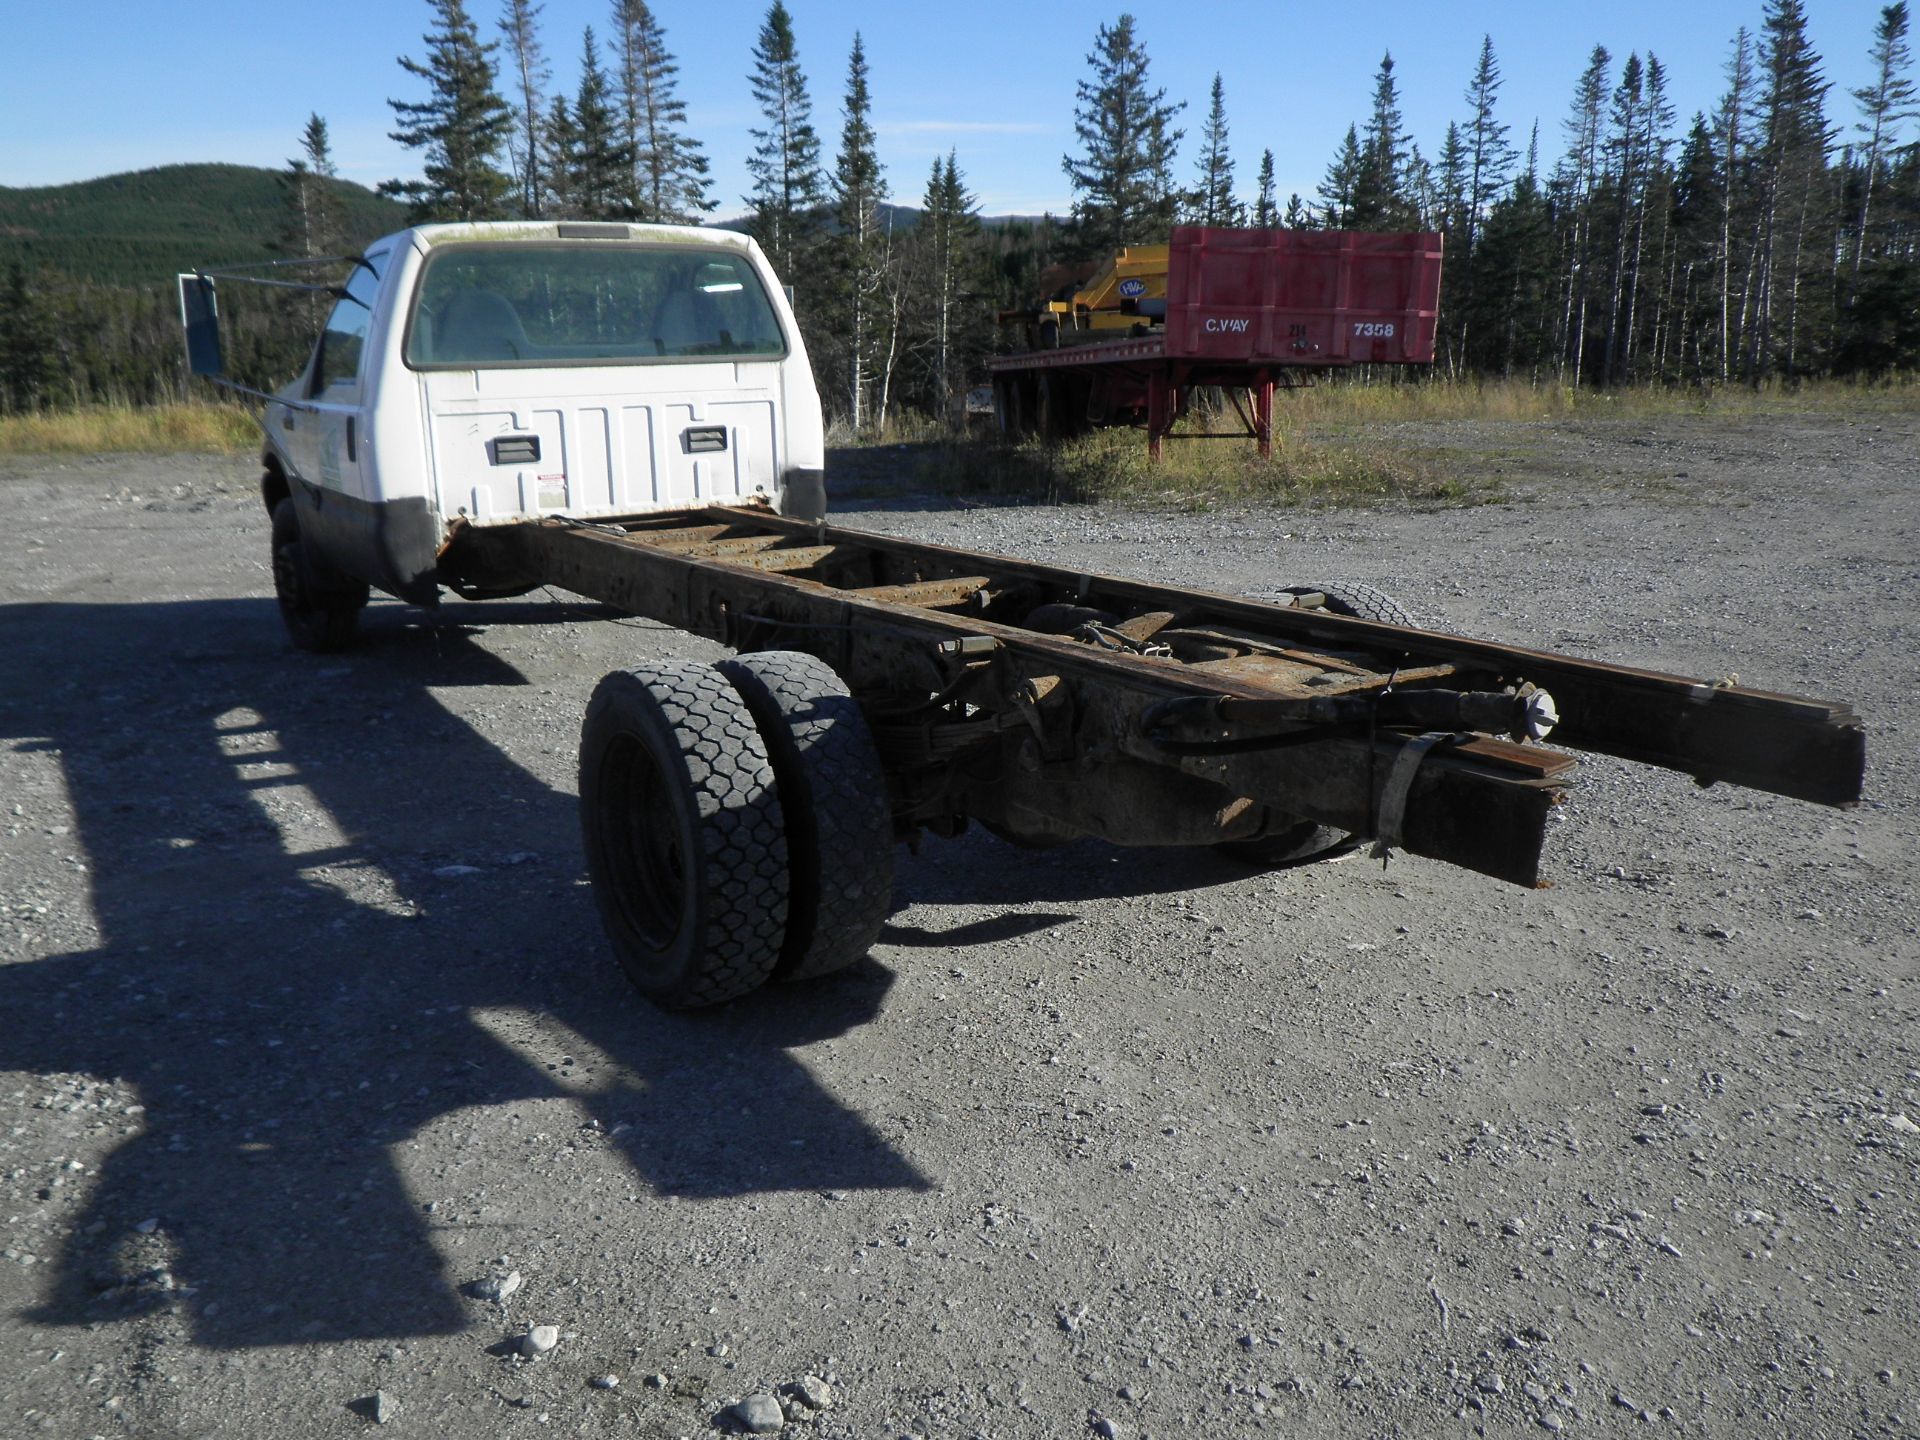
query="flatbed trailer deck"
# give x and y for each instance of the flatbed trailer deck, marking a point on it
(1053, 393)
(1048, 704)
(1244, 311)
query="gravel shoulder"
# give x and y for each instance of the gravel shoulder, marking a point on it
(306, 1024)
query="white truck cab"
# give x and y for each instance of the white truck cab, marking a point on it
(497, 372)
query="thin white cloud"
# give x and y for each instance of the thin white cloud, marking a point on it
(1001, 202)
(961, 127)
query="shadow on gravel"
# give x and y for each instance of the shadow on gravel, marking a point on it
(318, 891)
(933, 476)
(978, 869)
(990, 931)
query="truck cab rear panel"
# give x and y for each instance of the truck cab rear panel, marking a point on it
(488, 374)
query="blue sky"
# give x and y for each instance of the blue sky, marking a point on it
(112, 85)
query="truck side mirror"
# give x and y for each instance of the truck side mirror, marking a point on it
(200, 318)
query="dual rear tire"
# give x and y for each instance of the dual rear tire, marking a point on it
(736, 825)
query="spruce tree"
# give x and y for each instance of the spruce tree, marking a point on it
(858, 190)
(1122, 179)
(558, 141)
(1732, 136)
(1885, 105)
(1213, 198)
(1575, 185)
(1489, 156)
(1626, 179)
(1512, 312)
(599, 165)
(671, 183)
(785, 163)
(26, 346)
(1422, 192)
(460, 128)
(313, 224)
(1698, 198)
(1343, 175)
(313, 227)
(1265, 214)
(949, 237)
(1165, 198)
(1454, 183)
(1793, 190)
(1381, 199)
(528, 68)
(1648, 303)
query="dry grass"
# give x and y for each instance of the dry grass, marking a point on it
(1304, 469)
(1331, 445)
(118, 429)
(1347, 401)
(1113, 465)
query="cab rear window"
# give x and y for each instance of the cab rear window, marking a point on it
(536, 305)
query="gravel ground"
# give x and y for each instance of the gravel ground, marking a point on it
(307, 1032)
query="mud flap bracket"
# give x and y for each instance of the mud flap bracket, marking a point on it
(1392, 812)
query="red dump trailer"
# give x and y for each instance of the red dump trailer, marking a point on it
(1244, 310)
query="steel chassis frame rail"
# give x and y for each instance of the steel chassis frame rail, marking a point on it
(1050, 703)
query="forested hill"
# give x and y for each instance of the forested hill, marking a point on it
(148, 225)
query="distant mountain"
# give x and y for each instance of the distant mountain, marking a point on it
(898, 218)
(146, 226)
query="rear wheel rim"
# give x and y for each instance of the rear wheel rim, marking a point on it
(646, 852)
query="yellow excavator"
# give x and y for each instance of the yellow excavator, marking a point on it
(1125, 295)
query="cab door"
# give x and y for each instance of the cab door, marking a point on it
(335, 510)
(336, 388)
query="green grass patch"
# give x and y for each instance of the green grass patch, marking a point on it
(119, 429)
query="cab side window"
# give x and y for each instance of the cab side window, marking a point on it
(344, 342)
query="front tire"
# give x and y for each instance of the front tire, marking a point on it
(320, 606)
(684, 833)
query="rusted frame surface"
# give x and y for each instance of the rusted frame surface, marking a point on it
(1811, 750)
(883, 647)
(880, 611)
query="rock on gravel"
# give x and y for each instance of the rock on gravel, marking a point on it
(379, 1407)
(811, 1392)
(539, 1340)
(759, 1414)
(495, 1288)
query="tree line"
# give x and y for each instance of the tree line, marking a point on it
(1774, 237)
(890, 312)
(1764, 240)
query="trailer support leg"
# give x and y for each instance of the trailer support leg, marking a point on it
(1159, 414)
(1263, 414)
